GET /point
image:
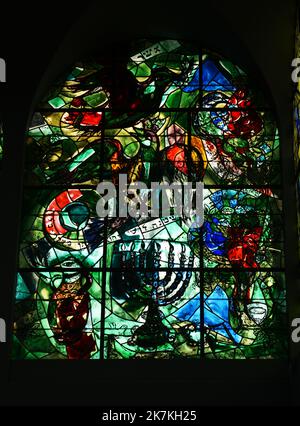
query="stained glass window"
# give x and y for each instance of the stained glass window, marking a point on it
(165, 287)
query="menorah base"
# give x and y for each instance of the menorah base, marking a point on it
(153, 333)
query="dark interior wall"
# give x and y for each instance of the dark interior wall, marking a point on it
(258, 35)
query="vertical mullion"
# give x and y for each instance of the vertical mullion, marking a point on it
(202, 328)
(200, 79)
(103, 291)
(103, 278)
(201, 274)
(189, 147)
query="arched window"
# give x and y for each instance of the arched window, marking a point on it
(173, 286)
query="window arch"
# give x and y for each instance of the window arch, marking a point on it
(163, 287)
